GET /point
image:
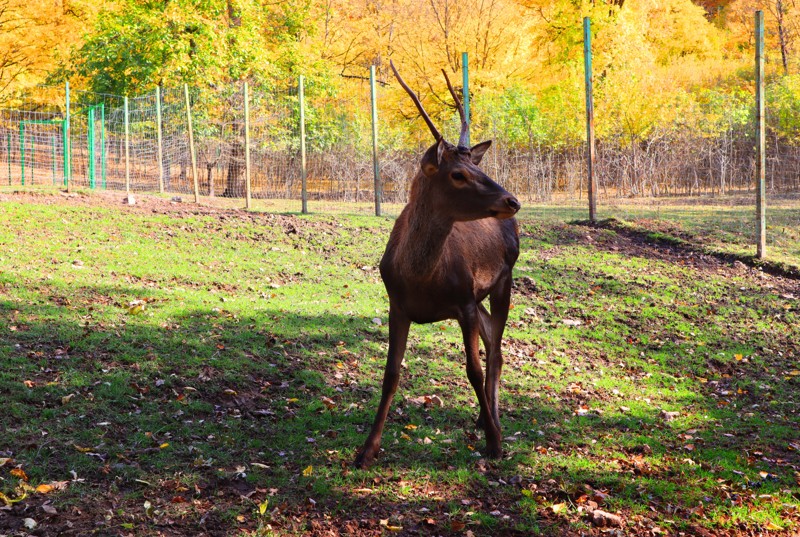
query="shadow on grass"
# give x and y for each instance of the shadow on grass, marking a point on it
(133, 406)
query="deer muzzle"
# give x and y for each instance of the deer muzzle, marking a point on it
(506, 208)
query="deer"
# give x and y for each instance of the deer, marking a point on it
(454, 244)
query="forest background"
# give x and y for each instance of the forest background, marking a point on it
(660, 66)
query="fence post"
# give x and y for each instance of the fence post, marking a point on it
(67, 145)
(160, 142)
(247, 186)
(301, 97)
(22, 151)
(587, 57)
(375, 165)
(465, 88)
(90, 144)
(53, 157)
(761, 230)
(127, 149)
(191, 144)
(103, 144)
(8, 140)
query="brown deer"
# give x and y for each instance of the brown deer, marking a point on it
(454, 244)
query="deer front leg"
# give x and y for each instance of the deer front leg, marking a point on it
(398, 335)
(470, 328)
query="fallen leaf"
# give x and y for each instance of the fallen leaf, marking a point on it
(44, 488)
(262, 507)
(308, 471)
(20, 473)
(558, 507)
(49, 509)
(385, 524)
(601, 518)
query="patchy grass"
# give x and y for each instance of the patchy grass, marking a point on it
(172, 369)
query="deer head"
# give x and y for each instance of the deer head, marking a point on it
(451, 179)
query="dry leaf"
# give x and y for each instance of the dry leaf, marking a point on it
(20, 473)
(308, 471)
(44, 488)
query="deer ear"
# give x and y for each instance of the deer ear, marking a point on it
(477, 151)
(442, 145)
(431, 158)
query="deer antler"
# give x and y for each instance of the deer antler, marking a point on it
(414, 98)
(464, 136)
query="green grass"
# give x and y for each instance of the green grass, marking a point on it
(209, 361)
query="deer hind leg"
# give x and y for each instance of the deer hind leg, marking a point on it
(470, 328)
(398, 335)
(485, 325)
(500, 301)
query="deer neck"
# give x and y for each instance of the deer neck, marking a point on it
(423, 244)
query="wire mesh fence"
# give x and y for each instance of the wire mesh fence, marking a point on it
(142, 144)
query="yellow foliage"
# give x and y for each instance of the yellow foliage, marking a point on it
(36, 37)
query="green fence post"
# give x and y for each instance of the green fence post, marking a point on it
(465, 88)
(67, 147)
(90, 144)
(375, 164)
(301, 96)
(587, 57)
(33, 157)
(8, 140)
(127, 148)
(761, 226)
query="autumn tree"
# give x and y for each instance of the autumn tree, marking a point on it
(35, 37)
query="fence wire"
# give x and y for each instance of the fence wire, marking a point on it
(147, 150)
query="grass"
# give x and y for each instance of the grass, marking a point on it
(207, 370)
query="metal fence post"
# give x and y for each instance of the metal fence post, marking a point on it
(587, 56)
(247, 185)
(375, 164)
(22, 150)
(301, 96)
(191, 144)
(127, 148)
(67, 144)
(90, 145)
(465, 88)
(761, 229)
(160, 141)
(103, 144)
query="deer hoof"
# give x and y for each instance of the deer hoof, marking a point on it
(363, 460)
(494, 453)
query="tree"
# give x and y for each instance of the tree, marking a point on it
(137, 44)
(35, 36)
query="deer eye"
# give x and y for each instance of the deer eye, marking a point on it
(458, 176)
